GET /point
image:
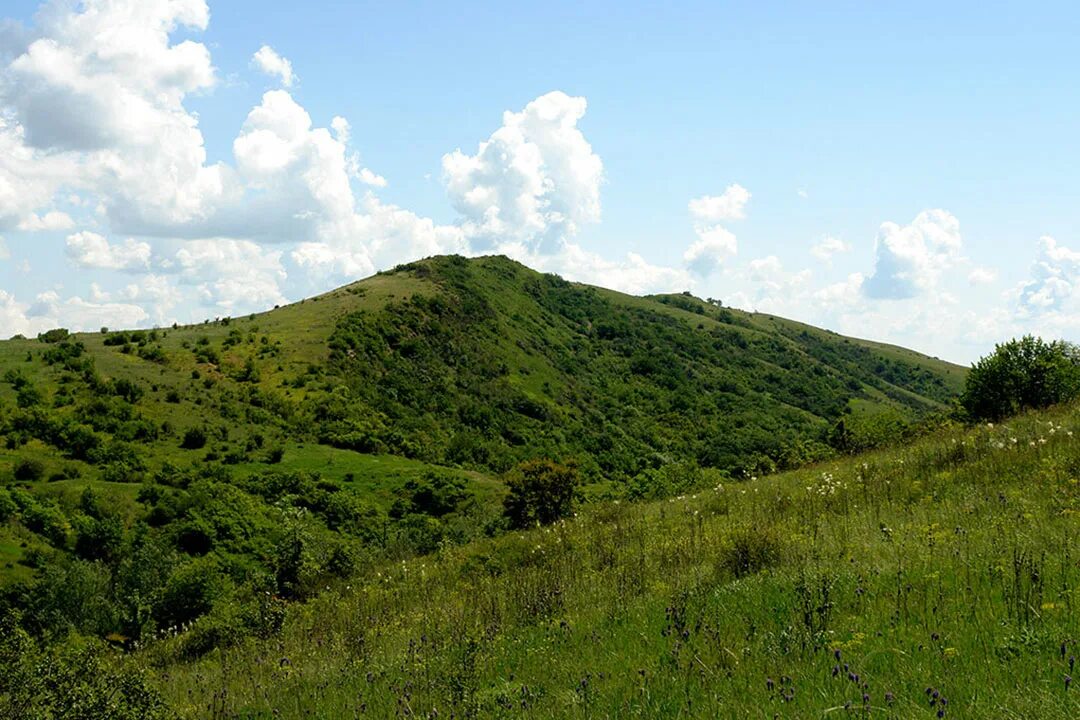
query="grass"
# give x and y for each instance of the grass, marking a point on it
(871, 587)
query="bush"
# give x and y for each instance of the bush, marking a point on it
(192, 590)
(53, 336)
(752, 550)
(194, 439)
(8, 508)
(541, 491)
(69, 681)
(29, 470)
(1020, 375)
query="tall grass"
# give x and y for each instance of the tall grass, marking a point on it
(936, 580)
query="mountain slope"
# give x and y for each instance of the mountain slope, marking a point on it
(480, 363)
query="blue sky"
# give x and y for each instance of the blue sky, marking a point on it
(904, 173)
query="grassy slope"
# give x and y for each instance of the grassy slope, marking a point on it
(948, 565)
(300, 332)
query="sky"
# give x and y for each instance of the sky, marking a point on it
(905, 172)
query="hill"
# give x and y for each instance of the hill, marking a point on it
(483, 363)
(217, 474)
(932, 580)
(475, 365)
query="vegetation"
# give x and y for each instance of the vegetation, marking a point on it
(213, 493)
(933, 578)
(1021, 375)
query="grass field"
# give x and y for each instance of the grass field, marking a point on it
(937, 580)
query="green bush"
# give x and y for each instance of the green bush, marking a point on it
(194, 439)
(1019, 375)
(541, 491)
(8, 508)
(751, 550)
(192, 590)
(71, 681)
(29, 470)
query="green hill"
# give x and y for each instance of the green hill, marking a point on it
(933, 580)
(483, 363)
(221, 475)
(475, 365)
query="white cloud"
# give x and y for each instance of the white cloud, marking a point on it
(911, 258)
(536, 180)
(52, 220)
(713, 245)
(369, 178)
(731, 205)
(49, 311)
(95, 104)
(232, 275)
(267, 60)
(828, 247)
(90, 250)
(982, 276)
(633, 274)
(1049, 302)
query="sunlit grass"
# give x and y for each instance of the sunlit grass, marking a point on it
(861, 587)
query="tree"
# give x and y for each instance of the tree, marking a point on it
(541, 491)
(1019, 375)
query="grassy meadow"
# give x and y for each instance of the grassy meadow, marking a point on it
(935, 580)
(331, 510)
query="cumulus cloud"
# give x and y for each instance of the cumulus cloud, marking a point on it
(96, 103)
(911, 258)
(713, 245)
(632, 274)
(268, 61)
(1052, 294)
(982, 276)
(536, 180)
(828, 247)
(90, 250)
(49, 311)
(52, 220)
(368, 177)
(233, 275)
(715, 208)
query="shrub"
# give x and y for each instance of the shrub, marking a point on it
(541, 491)
(69, 681)
(53, 336)
(752, 549)
(194, 439)
(192, 590)
(8, 508)
(29, 470)
(1022, 375)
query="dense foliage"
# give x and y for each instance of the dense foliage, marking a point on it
(1019, 375)
(502, 365)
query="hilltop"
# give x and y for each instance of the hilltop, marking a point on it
(483, 363)
(443, 365)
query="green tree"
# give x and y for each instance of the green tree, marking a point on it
(1019, 375)
(541, 491)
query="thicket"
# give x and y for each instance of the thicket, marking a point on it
(1024, 374)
